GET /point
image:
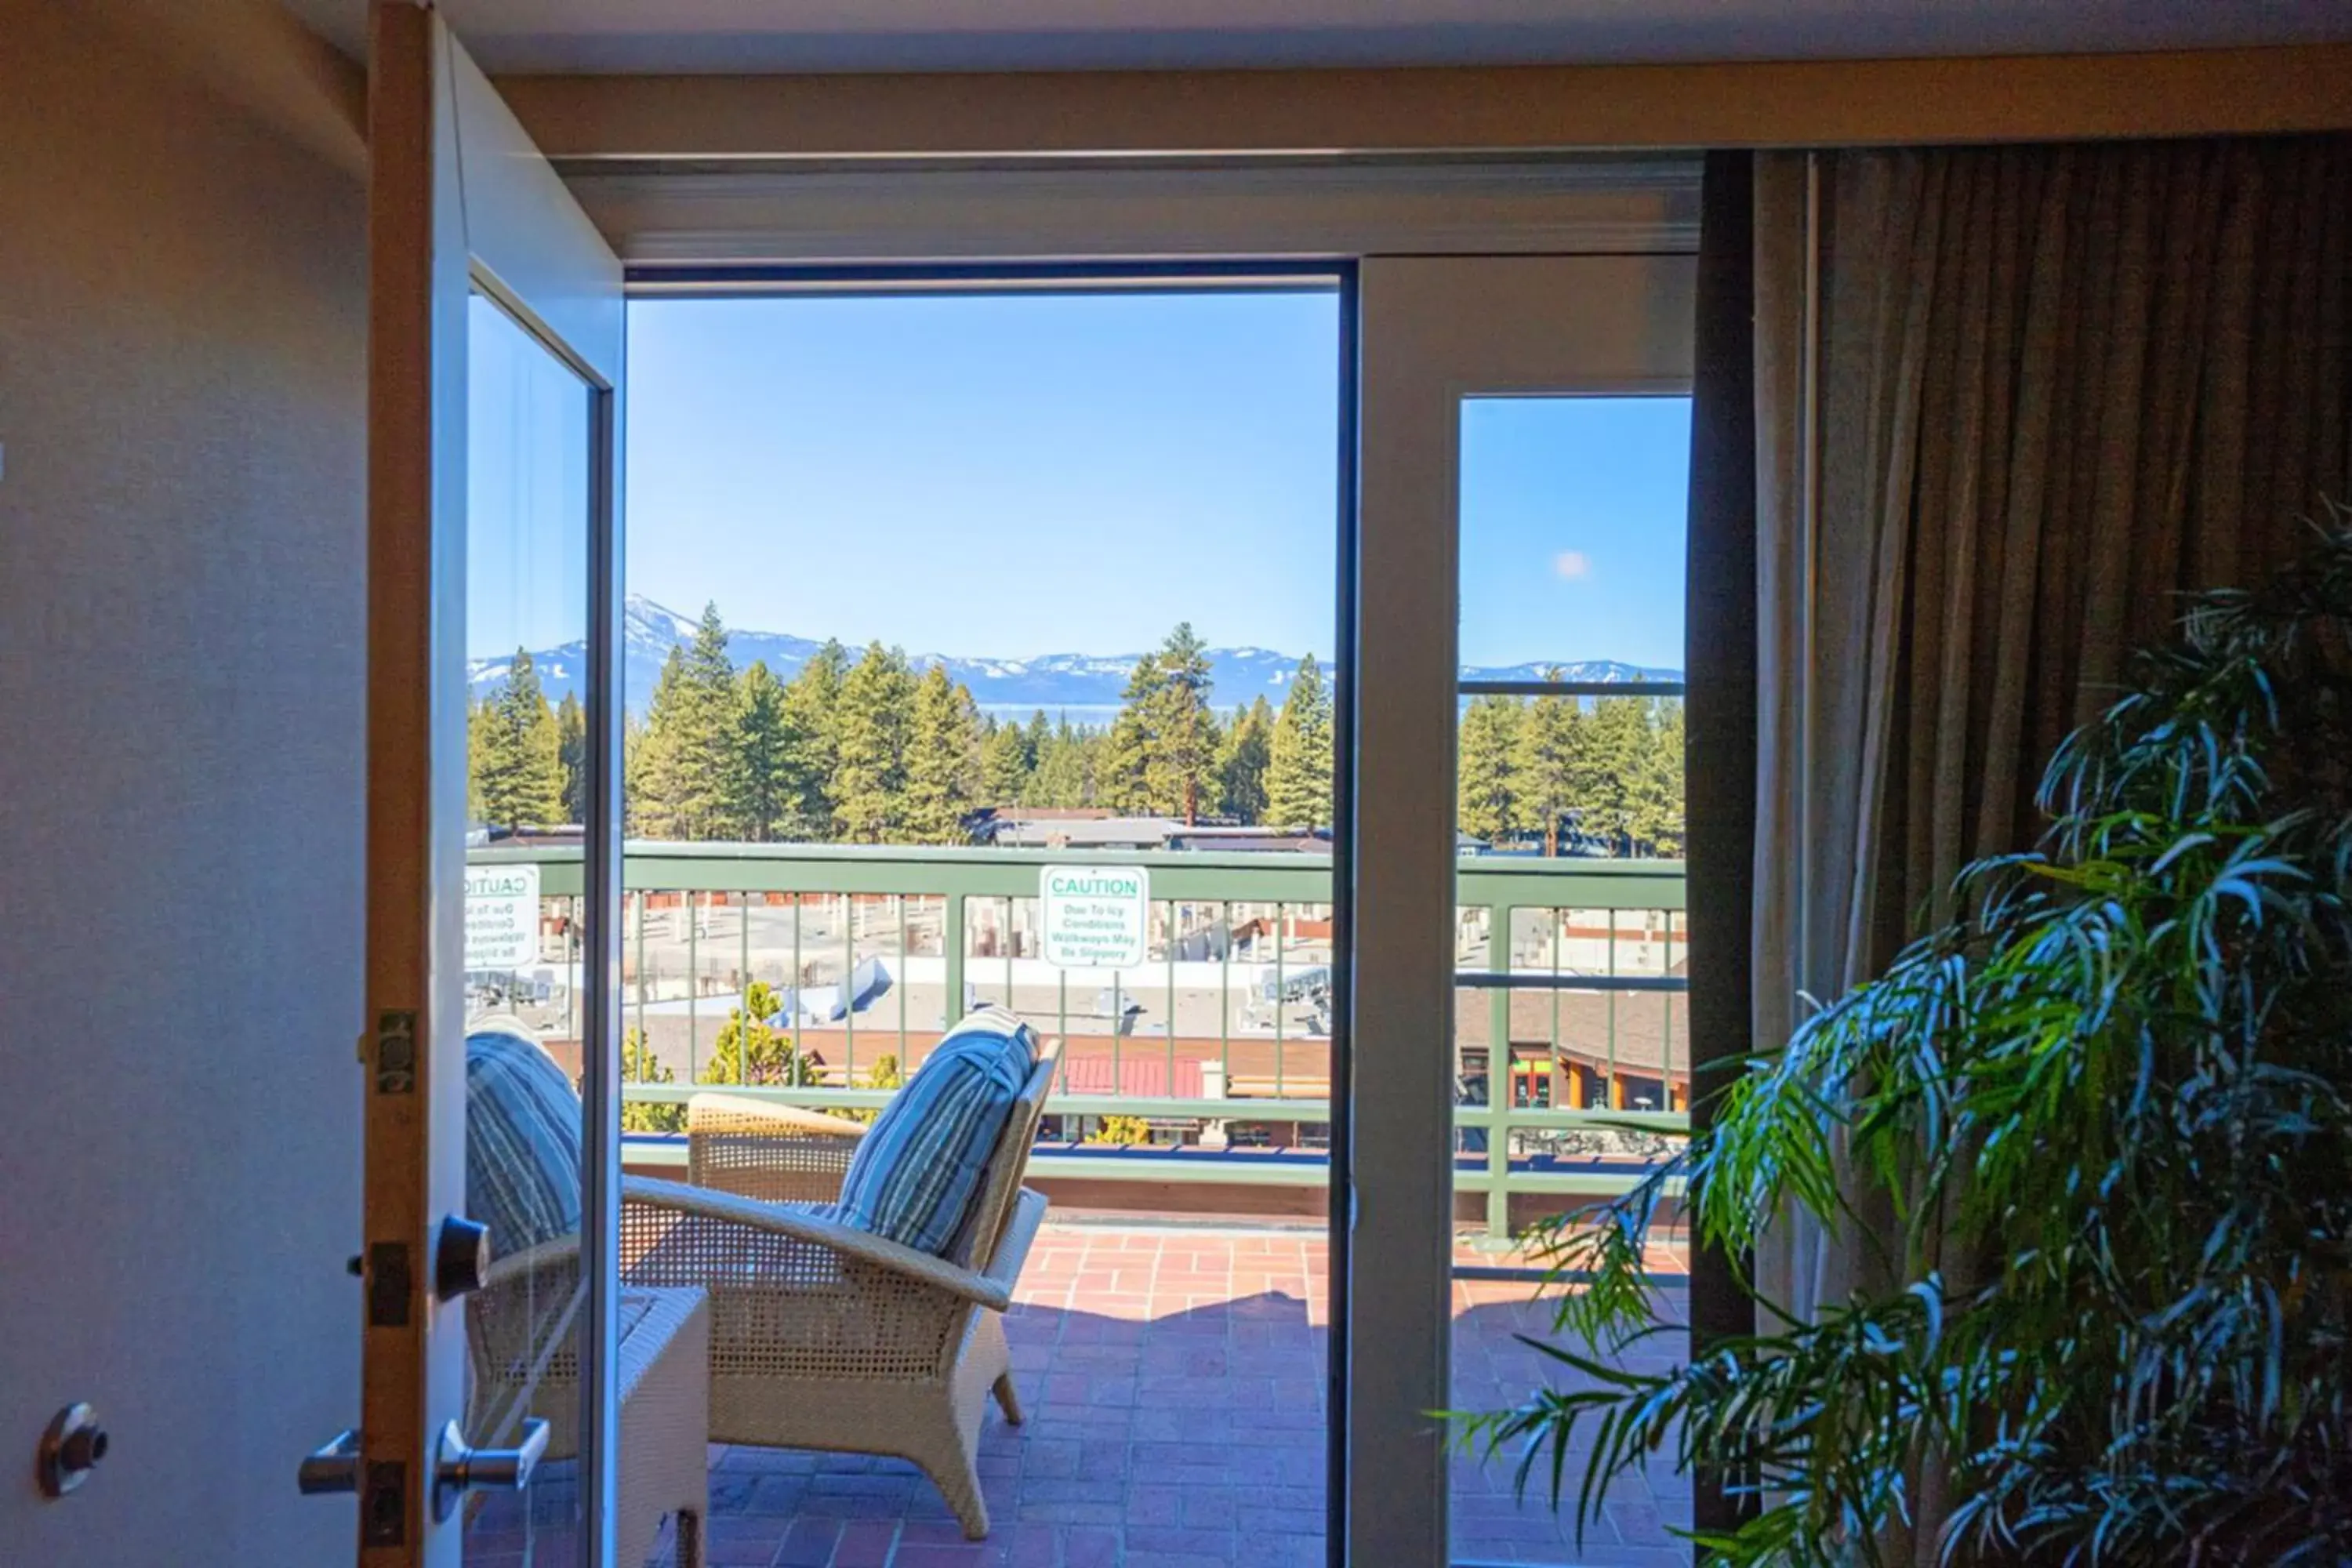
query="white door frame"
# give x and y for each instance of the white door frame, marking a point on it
(1434, 330)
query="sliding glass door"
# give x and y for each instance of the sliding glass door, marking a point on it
(1519, 1041)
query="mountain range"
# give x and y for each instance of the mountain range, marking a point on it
(1083, 685)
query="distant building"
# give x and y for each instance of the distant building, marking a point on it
(1022, 828)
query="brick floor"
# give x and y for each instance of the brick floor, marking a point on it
(1174, 1386)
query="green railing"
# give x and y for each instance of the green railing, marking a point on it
(1555, 977)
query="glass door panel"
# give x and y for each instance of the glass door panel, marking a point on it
(1570, 1037)
(529, 522)
(1517, 926)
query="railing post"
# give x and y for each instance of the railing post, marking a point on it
(693, 985)
(953, 942)
(1499, 919)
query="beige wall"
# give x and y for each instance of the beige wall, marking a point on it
(1819, 103)
(182, 347)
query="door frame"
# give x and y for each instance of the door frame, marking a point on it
(736, 280)
(789, 225)
(459, 201)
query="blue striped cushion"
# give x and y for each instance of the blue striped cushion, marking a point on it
(522, 1142)
(920, 1167)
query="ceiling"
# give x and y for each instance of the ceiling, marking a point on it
(763, 35)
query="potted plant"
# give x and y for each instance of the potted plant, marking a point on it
(2110, 1114)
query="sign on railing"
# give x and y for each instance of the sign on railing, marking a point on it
(501, 916)
(1094, 917)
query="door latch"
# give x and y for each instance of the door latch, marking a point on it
(333, 1469)
(460, 1469)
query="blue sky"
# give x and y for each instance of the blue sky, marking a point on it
(527, 490)
(1573, 523)
(1017, 474)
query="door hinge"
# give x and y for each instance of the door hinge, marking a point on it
(395, 1053)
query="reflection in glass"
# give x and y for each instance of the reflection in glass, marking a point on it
(528, 533)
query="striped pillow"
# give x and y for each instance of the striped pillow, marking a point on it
(922, 1164)
(522, 1142)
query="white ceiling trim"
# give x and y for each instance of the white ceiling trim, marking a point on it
(1127, 212)
(626, 37)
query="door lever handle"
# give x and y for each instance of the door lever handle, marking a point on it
(461, 1468)
(333, 1469)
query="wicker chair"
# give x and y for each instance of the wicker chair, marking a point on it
(778, 1154)
(827, 1337)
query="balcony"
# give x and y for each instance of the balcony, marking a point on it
(1171, 1328)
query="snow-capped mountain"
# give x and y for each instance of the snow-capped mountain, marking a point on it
(1086, 686)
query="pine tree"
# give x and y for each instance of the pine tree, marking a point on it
(1064, 778)
(571, 752)
(1487, 800)
(690, 740)
(1242, 760)
(633, 770)
(943, 762)
(1616, 734)
(1298, 768)
(1124, 779)
(639, 1065)
(812, 706)
(516, 762)
(1656, 786)
(869, 778)
(1181, 732)
(477, 730)
(764, 786)
(1551, 746)
(751, 1051)
(651, 774)
(1007, 760)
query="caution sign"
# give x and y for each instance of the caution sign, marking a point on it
(501, 916)
(1094, 917)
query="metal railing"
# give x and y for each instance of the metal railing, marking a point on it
(1553, 949)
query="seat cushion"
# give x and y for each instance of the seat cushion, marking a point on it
(522, 1142)
(923, 1163)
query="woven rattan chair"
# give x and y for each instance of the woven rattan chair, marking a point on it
(828, 1337)
(754, 1149)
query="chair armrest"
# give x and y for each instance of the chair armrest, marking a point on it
(1020, 1230)
(818, 1230)
(559, 1255)
(738, 1113)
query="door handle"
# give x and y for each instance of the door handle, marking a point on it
(333, 1469)
(460, 1467)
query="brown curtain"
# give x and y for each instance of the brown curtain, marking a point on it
(2011, 403)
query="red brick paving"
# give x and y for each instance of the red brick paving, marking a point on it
(1174, 1381)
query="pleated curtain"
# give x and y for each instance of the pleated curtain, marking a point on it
(2011, 403)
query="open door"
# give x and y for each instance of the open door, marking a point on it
(495, 341)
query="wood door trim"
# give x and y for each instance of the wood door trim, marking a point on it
(406, 477)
